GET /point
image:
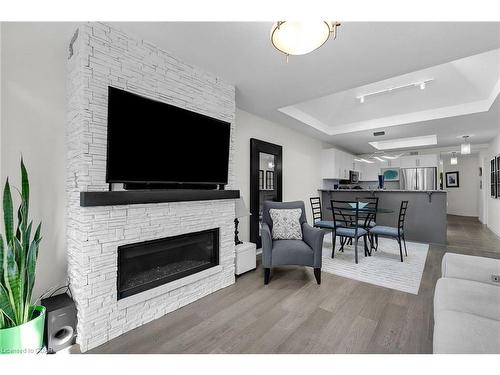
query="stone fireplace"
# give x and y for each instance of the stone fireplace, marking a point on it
(101, 239)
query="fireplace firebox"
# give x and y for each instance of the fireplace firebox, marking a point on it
(148, 264)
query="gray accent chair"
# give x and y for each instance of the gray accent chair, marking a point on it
(305, 252)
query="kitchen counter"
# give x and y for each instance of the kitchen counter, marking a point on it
(386, 190)
(426, 219)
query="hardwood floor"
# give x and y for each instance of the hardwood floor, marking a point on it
(295, 315)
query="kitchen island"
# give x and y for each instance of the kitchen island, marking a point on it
(426, 219)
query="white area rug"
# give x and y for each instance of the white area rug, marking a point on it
(383, 268)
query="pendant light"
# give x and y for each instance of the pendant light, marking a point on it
(465, 147)
(453, 159)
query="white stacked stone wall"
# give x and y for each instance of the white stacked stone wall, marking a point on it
(105, 56)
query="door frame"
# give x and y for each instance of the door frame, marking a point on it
(256, 147)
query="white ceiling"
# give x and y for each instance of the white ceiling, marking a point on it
(364, 53)
(463, 86)
(482, 127)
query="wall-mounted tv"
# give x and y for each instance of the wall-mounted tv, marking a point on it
(153, 142)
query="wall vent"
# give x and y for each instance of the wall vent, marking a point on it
(413, 152)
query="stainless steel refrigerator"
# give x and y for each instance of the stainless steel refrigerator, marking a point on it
(418, 179)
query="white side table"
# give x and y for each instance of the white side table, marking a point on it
(245, 259)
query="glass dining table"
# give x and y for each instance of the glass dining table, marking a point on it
(378, 210)
(370, 214)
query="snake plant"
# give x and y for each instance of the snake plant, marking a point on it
(18, 256)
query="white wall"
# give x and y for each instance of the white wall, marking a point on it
(33, 103)
(301, 161)
(463, 200)
(1, 115)
(33, 114)
(491, 206)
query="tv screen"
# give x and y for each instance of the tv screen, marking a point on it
(154, 142)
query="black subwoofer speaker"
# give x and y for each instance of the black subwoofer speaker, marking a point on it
(60, 323)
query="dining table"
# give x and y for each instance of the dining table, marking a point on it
(366, 210)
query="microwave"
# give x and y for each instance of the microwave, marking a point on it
(353, 177)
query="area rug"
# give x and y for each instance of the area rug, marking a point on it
(383, 268)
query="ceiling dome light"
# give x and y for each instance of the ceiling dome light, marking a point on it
(453, 159)
(299, 38)
(465, 147)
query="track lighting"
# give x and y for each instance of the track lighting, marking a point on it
(421, 84)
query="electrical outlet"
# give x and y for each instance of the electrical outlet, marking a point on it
(495, 278)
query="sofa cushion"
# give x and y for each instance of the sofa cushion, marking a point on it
(470, 267)
(467, 296)
(462, 333)
(286, 223)
(291, 252)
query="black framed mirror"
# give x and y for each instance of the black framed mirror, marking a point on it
(266, 177)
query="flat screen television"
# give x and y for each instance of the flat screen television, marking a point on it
(150, 142)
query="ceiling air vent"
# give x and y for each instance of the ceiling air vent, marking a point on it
(414, 153)
(376, 134)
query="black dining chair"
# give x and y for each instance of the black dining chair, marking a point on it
(345, 221)
(317, 213)
(397, 233)
(372, 206)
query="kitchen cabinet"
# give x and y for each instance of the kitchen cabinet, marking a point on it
(419, 161)
(393, 163)
(367, 171)
(336, 164)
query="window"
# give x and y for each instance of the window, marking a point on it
(270, 180)
(261, 179)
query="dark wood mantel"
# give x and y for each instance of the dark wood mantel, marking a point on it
(113, 198)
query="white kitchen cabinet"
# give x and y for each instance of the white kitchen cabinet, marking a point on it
(367, 171)
(336, 164)
(419, 161)
(426, 161)
(407, 162)
(393, 163)
(372, 171)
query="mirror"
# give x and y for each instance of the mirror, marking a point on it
(265, 182)
(267, 186)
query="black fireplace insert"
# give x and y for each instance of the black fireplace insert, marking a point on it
(148, 264)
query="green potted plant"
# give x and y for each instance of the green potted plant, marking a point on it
(21, 322)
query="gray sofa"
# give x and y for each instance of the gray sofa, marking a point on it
(467, 306)
(306, 252)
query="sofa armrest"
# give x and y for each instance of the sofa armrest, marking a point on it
(468, 267)
(267, 246)
(314, 238)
